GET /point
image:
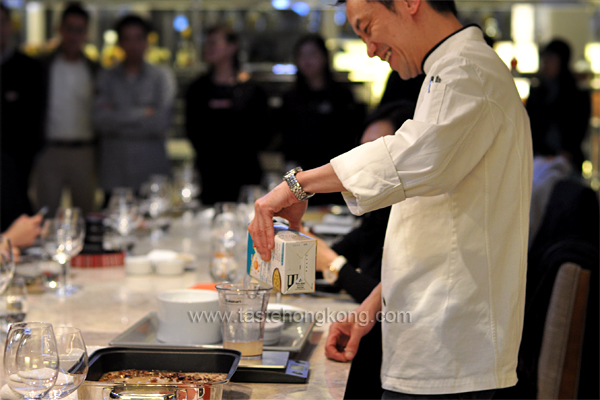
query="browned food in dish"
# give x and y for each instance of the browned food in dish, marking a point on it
(162, 377)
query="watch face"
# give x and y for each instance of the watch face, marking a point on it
(329, 275)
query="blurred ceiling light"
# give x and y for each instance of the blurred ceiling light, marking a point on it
(110, 37)
(523, 85)
(522, 29)
(33, 6)
(339, 18)
(522, 17)
(353, 58)
(592, 54)
(491, 27)
(527, 57)
(301, 8)
(284, 69)
(280, 4)
(505, 51)
(180, 23)
(13, 3)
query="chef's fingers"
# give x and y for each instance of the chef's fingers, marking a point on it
(261, 231)
(336, 342)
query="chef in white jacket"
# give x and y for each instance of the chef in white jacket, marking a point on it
(458, 178)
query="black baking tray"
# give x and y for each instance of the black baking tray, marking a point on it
(172, 359)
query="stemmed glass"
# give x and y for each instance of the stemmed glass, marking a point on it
(7, 263)
(122, 217)
(227, 243)
(157, 201)
(31, 359)
(63, 239)
(73, 362)
(188, 186)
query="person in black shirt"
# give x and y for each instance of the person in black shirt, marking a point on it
(22, 109)
(226, 121)
(558, 110)
(319, 118)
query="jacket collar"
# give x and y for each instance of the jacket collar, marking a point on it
(467, 32)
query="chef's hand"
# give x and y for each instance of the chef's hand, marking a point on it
(345, 334)
(278, 202)
(344, 337)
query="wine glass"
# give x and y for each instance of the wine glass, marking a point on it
(227, 243)
(13, 304)
(122, 218)
(73, 362)
(63, 239)
(7, 263)
(31, 359)
(157, 201)
(187, 184)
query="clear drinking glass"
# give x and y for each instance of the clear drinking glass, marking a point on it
(31, 359)
(7, 263)
(13, 304)
(63, 239)
(227, 244)
(73, 362)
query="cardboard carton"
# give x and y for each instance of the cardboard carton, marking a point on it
(292, 265)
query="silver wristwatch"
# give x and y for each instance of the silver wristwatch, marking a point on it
(290, 178)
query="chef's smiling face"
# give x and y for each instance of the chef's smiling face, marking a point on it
(387, 32)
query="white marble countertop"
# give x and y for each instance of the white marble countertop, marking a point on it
(110, 302)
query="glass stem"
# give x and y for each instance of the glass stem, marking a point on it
(65, 274)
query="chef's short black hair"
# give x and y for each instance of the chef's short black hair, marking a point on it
(441, 6)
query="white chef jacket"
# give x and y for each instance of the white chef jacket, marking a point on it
(459, 178)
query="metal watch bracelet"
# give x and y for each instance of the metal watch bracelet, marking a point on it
(290, 178)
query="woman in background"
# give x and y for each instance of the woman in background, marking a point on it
(226, 121)
(319, 117)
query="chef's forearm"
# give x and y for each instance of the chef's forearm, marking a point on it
(320, 180)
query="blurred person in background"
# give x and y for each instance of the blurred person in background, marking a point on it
(24, 230)
(319, 117)
(226, 120)
(21, 122)
(22, 233)
(132, 112)
(558, 110)
(69, 156)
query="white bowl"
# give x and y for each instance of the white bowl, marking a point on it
(180, 318)
(170, 267)
(138, 265)
(272, 332)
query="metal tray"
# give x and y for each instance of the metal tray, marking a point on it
(176, 359)
(296, 330)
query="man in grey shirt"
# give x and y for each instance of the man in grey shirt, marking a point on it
(132, 112)
(68, 159)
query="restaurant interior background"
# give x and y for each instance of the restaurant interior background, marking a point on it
(269, 28)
